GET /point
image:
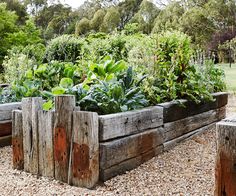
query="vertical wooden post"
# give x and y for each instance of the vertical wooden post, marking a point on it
(30, 108)
(84, 169)
(45, 127)
(64, 106)
(17, 140)
(225, 173)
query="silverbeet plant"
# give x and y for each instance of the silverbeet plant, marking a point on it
(107, 97)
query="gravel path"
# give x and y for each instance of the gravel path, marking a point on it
(187, 169)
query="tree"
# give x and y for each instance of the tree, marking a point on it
(54, 20)
(111, 20)
(146, 15)
(19, 8)
(97, 20)
(127, 10)
(169, 18)
(35, 5)
(197, 25)
(28, 34)
(83, 26)
(7, 26)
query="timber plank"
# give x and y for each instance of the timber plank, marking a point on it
(127, 123)
(170, 144)
(17, 140)
(179, 109)
(30, 108)
(6, 110)
(5, 141)
(46, 159)
(129, 164)
(5, 128)
(225, 169)
(116, 151)
(84, 170)
(183, 126)
(64, 106)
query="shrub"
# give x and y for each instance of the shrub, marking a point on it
(67, 48)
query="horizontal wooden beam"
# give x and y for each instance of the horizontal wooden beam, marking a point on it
(179, 109)
(119, 150)
(6, 110)
(5, 141)
(129, 164)
(127, 123)
(183, 126)
(5, 128)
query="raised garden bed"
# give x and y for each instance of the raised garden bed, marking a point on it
(131, 138)
(123, 140)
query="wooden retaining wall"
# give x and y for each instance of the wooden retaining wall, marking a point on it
(128, 139)
(77, 147)
(6, 122)
(61, 143)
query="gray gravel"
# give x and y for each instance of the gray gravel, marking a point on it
(187, 169)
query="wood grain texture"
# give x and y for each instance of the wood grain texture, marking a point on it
(129, 164)
(183, 126)
(7, 108)
(84, 170)
(45, 127)
(225, 171)
(30, 108)
(17, 140)
(173, 111)
(5, 141)
(172, 143)
(127, 123)
(64, 106)
(5, 128)
(119, 150)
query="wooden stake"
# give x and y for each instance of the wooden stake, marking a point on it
(17, 140)
(46, 160)
(30, 108)
(225, 183)
(64, 106)
(84, 168)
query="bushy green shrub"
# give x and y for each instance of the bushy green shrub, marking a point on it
(113, 45)
(67, 48)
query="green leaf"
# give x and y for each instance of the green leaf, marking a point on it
(117, 92)
(118, 66)
(58, 90)
(48, 105)
(66, 83)
(41, 69)
(29, 74)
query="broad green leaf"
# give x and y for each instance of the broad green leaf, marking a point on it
(48, 105)
(118, 66)
(41, 69)
(58, 90)
(66, 83)
(29, 74)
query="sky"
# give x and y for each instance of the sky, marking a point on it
(73, 3)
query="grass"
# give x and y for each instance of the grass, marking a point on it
(230, 76)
